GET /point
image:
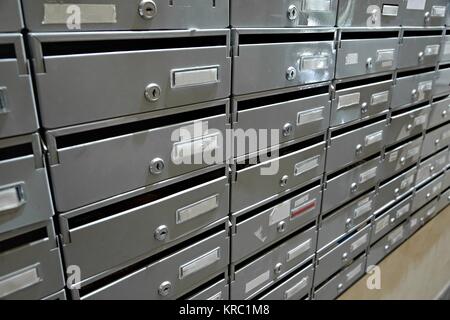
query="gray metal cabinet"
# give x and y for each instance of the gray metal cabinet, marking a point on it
(295, 115)
(10, 16)
(401, 157)
(31, 270)
(442, 86)
(268, 59)
(361, 53)
(133, 152)
(440, 112)
(283, 13)
(371, 13)
(387, 244)
(341, 223)
(17, 108)
(413, 88)
(436, 139)
(428, 192)
(419, 48)
(270, 225)
(392, 190)
(24, 189)
(423, 13)
(295, 288)
(218, 291)
(273, 266)
(166, 277)
(421, 217)
(354, 101)
(88, 15)
(432, 166)
(132, 72)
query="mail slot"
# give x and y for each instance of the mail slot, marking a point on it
(341, 223)
(255, 232)
(390, 218)
(442, 86)
(341, 256)
(17, 109)
(445, 51)
(295, 56)
(159, 219)
(419, 48)
(260, 178)
(31, 264)
(217, 291)
(285, 13)
(407, 123)
(24, 189)
(257, 275)
(350, 144)
(444, 200)
(154, 70)
(386, 245)
(398, 158)
(421, 217)
(342, 281)
(393, 189)
(432, 166)
(428, 192)
(413, 87)
(305, 112)
(436, 139)
(440, 112)
(88, 15)
(371, 13)
(133, 152)
(423, 13)
(10, 16)
(360, 99)
(361, 53)
(347, 185)
(295, 288)
(163, 277)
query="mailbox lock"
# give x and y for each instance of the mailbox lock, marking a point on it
(340, 287)
(415, 94)
(437, 141)
(157, 166)
(397, 191)
(448, 198)
(427, 17)
(409, 127)
(153, 92)
(354, 187)
(422, 220)
(165, 288)
(392, 220)
(402, 160)
(369, 63)
(364, 108)
(281, 227)
(432, 168)
(291, 73)
(284, 181)
(288, 129)
(345, 257)
(428, 195)
(348, 223)
(444, 114)
(148, 9)
(387, 247)
(359, 149)
(161, 233)
(277, 269)
(292, 12)
(421, 56)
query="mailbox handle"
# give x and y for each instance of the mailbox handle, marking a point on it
(12, 197)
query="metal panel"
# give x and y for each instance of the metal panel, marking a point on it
(422, 216)
(218, 291)
(370, 13)
(284, 13)
(10, 16)
(273, 266)
(275, 223)
(423, 13)
(428, 192)
(292, 63)
(440, 113)
(88, 15)
(419, 51)
(413, 89)
(393, 189)
(444, 200)
(445, 51)
(157, 70)
(431, 167)
(436, 139)
(386, 245)
(442, 85)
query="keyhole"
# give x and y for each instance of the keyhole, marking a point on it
(159, 167)
(154, 93)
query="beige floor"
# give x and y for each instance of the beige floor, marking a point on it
(418, 269)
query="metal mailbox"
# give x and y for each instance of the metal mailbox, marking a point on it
(428, 192)
(349, 145)
(159, 220)
(348, 185)
(341, 223)
(432, 166)
(360, 99)
(270, 268)
(342, 281)
(387, 244)
(407, 124)
(421, 217)
(270, 225)
(413, 87)
(442, 85)
(30, 270)
(436, 139)
(24, 189)
(167, 277)
(419, 48)
(423, 13)
(218, 291)
(398, 158)
(284, 13)
(10, 16)
(295, 288)
(268, 59)
(390, 218)
(132, 72)
(264, 181)
(133, 152)
(341, 256)
(440, 112)
(88, 15)
(444, 200)
(291, 114)
(17, 109)
(361, 53)
(371, 13)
